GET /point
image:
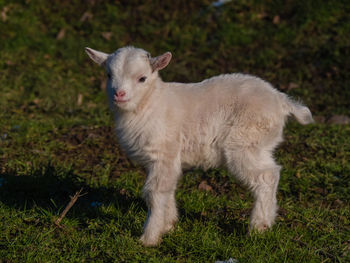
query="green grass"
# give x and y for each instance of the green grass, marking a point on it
(51, 146)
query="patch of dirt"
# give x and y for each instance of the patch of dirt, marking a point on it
(221, 186)
(204, 186)
(91, 148)
(213, 182)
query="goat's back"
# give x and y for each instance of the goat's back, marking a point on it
(234, 110)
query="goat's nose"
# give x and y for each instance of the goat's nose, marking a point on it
(120, 93)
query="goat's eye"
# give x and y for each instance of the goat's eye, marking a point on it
(142, 79)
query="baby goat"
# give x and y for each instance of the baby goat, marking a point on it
(232, 120)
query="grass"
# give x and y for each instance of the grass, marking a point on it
(51, 145)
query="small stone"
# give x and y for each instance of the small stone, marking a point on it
(292, 85)
(61, 34)
(205, 186)
(261, 15)
(107, 35)
(4, 13)
(86, 16)
(80, 99)
(276, 20)
(36, 101)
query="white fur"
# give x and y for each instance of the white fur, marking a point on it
(232, 120)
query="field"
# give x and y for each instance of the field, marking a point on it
(56, 131)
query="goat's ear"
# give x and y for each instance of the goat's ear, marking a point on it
(160, 62)
(97, 56)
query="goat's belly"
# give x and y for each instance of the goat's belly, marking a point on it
(205, 158)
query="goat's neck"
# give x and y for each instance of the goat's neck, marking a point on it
(146, 100)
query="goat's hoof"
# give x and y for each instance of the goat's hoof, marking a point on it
(149, 242)
(258, 228)
(261, 227)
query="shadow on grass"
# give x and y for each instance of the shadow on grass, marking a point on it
(50, 188)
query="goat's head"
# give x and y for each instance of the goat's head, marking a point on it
(131, 73)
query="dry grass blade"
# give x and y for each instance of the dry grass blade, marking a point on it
(73, 199)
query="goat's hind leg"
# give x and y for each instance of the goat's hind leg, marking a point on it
(261, 174)
(264, 188)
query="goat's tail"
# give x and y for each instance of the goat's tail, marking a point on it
(301, 113)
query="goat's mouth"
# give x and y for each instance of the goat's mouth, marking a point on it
(120, 100)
